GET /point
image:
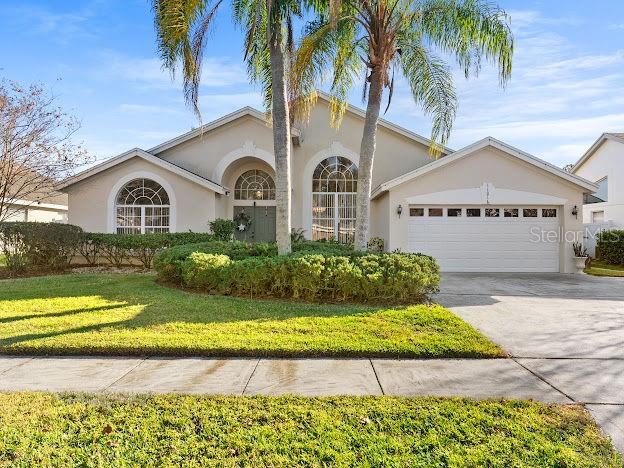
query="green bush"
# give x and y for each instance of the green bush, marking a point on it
(610, 247)
(223, 229)
(392, 277)
(329, 248)
(376, 244)
(48, 246)
(120, 249)
(168, 262)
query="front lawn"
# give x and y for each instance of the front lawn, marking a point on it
(78, 430)
(133, 315)
(598, 268)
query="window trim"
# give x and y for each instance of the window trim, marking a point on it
(112, 197)
(271, 189)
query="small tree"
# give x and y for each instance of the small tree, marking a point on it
(36, 150)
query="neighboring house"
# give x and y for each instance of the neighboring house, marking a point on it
(51, 209)
(603, 164)
(487, 207)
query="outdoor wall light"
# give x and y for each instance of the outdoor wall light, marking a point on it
(399, 210)
(575, 212)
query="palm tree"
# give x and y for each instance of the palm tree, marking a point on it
(389, 37)
(181, 28)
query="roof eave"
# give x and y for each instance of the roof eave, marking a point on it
(245, 111)
(593, 148)
(488, 141)
(137, 152)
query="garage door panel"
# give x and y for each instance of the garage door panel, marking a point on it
(485, 244)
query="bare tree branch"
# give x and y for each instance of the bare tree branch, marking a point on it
(36, 147)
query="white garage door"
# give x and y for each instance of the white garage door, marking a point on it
(520, 239)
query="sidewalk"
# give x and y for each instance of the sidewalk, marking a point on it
(472, 378)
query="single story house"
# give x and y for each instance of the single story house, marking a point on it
(487, 207)
(603, 163)
(51, 209)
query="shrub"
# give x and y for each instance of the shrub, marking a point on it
(120, 249)
(376, 244)
(390, 277)
(610, 247)
(297, 235)
(168, 262)
(329, 248)
(204, 270)
(39, 245)
(223, 229)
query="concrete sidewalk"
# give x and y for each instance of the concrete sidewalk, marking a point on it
(474, 378)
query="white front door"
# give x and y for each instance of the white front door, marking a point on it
(487, 238)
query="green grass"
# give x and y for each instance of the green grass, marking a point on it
(133, 315)
(168, 430)
(599, 268)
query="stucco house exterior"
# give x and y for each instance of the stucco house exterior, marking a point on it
(487, 207)
(51, 209)
(603, 163)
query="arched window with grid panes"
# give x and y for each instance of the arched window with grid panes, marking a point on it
(254, 185)
(142, 207)
(334, 187)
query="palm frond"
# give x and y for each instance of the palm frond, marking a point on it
(181, 30)
(431, 83)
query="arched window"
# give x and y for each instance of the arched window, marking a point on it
(334, 187)
(142, 207)
(254, 185)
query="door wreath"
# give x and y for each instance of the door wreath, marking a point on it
(243, 221)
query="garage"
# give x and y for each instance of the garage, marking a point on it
(487, 238)
(489, 207)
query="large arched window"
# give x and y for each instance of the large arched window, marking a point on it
(334, 187)
(142, 207)
(254, 185)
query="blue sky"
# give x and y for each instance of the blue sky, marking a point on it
(99, 58)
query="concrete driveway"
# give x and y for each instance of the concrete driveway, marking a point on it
(568, 330)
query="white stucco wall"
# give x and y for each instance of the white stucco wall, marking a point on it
(607, 161)
(504, 172)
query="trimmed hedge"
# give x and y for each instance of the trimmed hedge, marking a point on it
(168, 263)
(120, 249)
(48, 246)
(394, 277)
(610, 247)
(314, 271)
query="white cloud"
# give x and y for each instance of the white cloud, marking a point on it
(59, 27)
(148, 109)
(522, 20)
(217, 72)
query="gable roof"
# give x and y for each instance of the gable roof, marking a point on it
(388, 125)
(151, 154)
(619, 137)
(251, 112)
(137, 152)
(471, 149)
(245, 111)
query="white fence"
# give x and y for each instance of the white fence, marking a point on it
(592, 230)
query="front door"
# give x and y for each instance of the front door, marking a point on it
(262, 225)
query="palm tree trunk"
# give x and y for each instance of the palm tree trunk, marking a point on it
(281, 144)
(367, 155)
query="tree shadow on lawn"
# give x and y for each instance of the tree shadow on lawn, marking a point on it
(159, 305)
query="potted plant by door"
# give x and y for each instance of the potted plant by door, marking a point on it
(580, 256)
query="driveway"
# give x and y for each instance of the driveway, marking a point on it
(568, 330)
